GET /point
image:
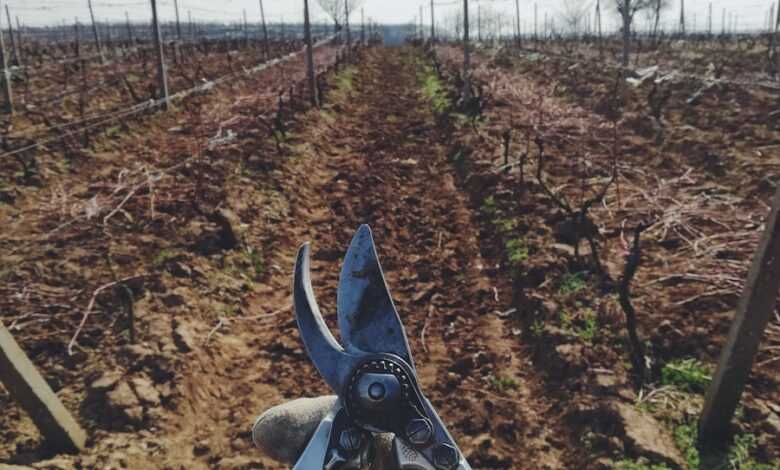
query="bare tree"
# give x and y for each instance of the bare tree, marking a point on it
(627, 9)
(337, 10)
(656, 9)
(574, 15)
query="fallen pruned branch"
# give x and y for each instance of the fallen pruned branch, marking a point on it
(91, 305)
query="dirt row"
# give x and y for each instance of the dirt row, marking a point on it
(177, 211)
(691, 162)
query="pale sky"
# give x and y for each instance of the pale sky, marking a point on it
(749, 14)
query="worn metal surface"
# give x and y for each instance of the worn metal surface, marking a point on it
(373, 374)
(31, 391)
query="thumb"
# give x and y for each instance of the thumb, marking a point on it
(283, 432)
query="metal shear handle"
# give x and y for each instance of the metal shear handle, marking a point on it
(373, 373)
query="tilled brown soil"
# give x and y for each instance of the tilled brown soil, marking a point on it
(219, 345)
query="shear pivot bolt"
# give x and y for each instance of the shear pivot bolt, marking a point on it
(377, 391)
(419, 431)
(445, 457)
(351, 440)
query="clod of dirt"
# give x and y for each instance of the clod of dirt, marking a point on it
(229, 226)
(106, 382)
(145, 391)
(184, 337)
(124, 407)
(566, 361)
(179, 269)
(646, 437)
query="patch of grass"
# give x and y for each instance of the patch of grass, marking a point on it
(685, 436)
(740, 458)
(589, 330)
(434, 90)
(517, 251)
(585, 328)
(573, 283)
(165, 255)
(343, 84)
(537, 328)
(688, 375)
(506, 225)
(489, 206)
(503, 384)
(256, 262)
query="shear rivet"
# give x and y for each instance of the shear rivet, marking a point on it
(445, 457)
(419, 431)
(376, 391)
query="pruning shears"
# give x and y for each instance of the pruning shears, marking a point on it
(371, 371)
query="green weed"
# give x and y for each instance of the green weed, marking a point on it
(685, 436)
(739, 456)
(506, 225)
(537, 328)
(587, 329)
(590, 327)
(343, 83)
(517, 251)
(256, 262)
(573, 283)
(434, 90)
(688, 375)
(165, 255)
(489, 206)
(503, 384)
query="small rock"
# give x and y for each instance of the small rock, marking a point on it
(173, 300)
(57, 463)
(106, 382)
(647, 437)
(606, 381)
(138, 352)
(565, 250)
(122, 397)
(145, 391)
(123, 407)
(184, 337)
(179, 269)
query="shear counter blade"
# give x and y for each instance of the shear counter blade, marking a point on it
(368, 320)
(333, 363)
(317, 450)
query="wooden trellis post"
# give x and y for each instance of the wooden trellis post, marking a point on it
(265, 32)
(466, 54)
(433, 23)
(96, 32)
(9, 100)
(161, 69)
(315, 99)
(753, 314)
(178, 23)
(31, 391)
(14, 43)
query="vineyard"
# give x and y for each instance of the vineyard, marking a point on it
(568, 240)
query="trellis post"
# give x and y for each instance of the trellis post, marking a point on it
(754, 311)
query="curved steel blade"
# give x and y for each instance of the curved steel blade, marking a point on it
(313, 458)
(368, 320)
(330, 359)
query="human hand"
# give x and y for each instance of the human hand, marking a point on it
(283, 432)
